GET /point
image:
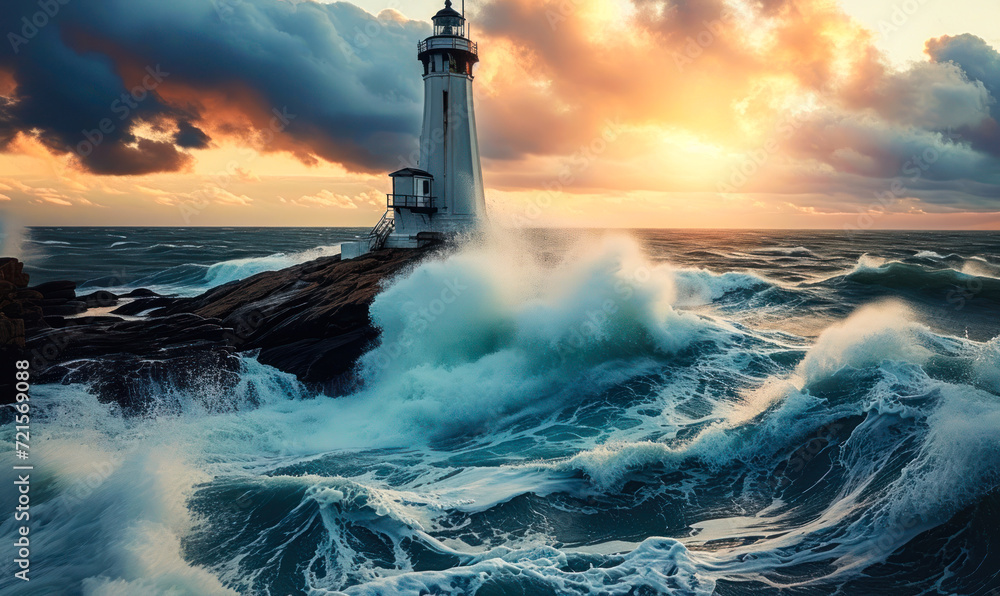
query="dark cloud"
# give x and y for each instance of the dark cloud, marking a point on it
(980, 63)
(190, 136)
(344, 86)
(346, 82)
(142, 156)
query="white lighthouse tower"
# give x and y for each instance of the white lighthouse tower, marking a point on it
(443, 194)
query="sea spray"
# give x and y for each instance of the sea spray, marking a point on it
(683, 442)
(872, 334)
(487, 336)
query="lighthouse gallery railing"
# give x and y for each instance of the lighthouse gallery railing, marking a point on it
(448, 43)
(414, 202)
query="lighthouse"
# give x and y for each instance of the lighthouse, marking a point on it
(442, 194)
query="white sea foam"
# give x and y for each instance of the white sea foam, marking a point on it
(697, 287)
(868, 262)
(795, 251)
(236, 269)
(979, 267)
(874, 333)
(456, 332)
(657, 565)
(986, 365)
(877, 334)
(116, 524)
(495, 345)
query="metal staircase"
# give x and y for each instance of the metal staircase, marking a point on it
(380, 233)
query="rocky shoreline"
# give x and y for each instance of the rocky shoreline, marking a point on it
(310, 320)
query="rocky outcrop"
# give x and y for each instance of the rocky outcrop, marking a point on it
(310, 320)
(17, 314)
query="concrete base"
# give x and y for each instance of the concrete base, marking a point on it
(353, 250)
(401, 241)
(418, 240)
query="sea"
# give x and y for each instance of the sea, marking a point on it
(548, 412)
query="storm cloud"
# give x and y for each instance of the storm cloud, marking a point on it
(667, 96)
(338, 83)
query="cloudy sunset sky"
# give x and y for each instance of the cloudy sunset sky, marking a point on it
(609, 113)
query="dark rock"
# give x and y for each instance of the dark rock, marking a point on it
(310, 320)
(324, 361)
(100, 299)
(11, 332)
(142, 305)
(56, 290)
(101, 320)
(142, 385)
(67, 308)
(141, 293)
(15, 310)
(59, 295)
(29, 295)
(50, 302)
(20, 314)
(49, 288)
(33, 316)
(55, 322)
(12, 270)
(105, 336)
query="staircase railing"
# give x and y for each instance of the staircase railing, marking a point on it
(380, 233)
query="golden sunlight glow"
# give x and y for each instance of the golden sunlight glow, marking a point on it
(722, 113)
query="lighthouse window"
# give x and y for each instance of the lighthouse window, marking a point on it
(427, 187)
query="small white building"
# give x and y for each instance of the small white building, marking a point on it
(444, 196)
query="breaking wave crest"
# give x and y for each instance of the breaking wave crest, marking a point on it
(590, 421)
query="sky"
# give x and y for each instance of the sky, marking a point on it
(859, 114)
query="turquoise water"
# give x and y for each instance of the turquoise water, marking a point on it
(555, 412)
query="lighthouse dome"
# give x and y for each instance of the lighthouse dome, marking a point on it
(449, 21)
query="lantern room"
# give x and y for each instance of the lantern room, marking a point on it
(449, 21)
